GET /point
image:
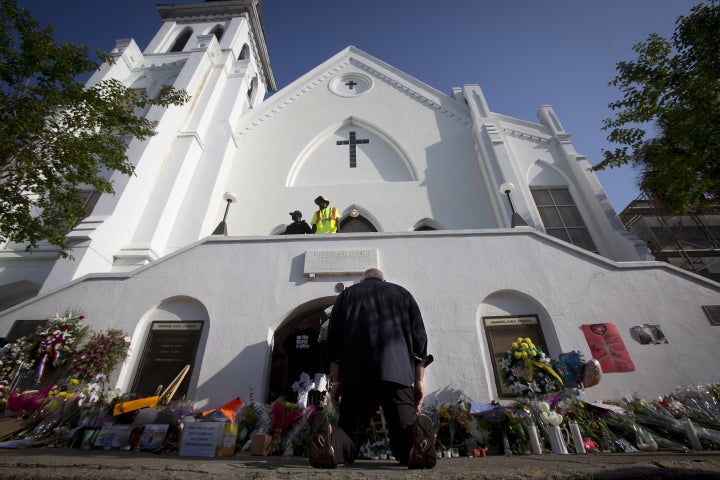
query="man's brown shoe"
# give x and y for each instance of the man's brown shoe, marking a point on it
(321, 453)
(422, 454)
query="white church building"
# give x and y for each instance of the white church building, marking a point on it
(493, 223)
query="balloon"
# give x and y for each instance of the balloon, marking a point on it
(591, 373)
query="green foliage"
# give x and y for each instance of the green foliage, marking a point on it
(675, 86)
(56, 135)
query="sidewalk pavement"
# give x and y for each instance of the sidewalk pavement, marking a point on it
(62, 464)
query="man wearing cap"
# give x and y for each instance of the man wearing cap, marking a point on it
(326, 219)
(299, 226)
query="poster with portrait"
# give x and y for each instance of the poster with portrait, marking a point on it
(607, 347)
(648, 334)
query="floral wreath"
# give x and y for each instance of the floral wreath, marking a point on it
(526, 370)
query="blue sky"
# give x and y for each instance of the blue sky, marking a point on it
(522, 53)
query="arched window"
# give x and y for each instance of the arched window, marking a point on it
(244, 53)
(426, 224)
(218, 32)
(561, 217)
(356, 224)
(181, 40)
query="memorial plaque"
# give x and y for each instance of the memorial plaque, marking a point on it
(339, 262)
(169, 347)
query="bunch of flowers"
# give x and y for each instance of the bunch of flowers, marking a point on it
(80, 365)
(456, 426)
(51, 345)
(283, 416)
(526, 370)
(100, 354)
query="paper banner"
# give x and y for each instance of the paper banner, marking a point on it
(607, 347)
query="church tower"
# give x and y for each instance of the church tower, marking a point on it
(216, 51)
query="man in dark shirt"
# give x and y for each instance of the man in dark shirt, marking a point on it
(298, 226)
(377, 348)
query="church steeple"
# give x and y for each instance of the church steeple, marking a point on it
(235, 23)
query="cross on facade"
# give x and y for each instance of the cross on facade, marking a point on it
(350, 84)
(352, 142)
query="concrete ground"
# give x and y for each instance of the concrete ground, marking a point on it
(61, 464)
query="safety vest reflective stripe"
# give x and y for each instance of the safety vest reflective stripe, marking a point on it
(327, 224)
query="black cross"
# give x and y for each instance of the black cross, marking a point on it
(352, 142)
(350, 84)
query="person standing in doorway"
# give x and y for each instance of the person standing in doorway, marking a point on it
(326, 218)
(377, 347)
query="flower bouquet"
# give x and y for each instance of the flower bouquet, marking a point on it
(526, 370)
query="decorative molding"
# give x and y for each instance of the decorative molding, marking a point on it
(492, 132)
(194, 136)
(527, 136)
(459, 117)
(271, 109)
(209, 44)
(462, 118)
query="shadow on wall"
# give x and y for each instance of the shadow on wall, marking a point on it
(245, 376)
(445, 395)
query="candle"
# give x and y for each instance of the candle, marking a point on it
(534, 440)
(577, 437)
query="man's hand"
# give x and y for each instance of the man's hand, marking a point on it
(335, 393)
(419, 390)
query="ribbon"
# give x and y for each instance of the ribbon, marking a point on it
(547, 368)
(41, 368)
(49, 346)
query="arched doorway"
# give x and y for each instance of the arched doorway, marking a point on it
(296, 350)
(356, 224)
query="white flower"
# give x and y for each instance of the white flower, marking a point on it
(519, 387)
(543, 406)
(504, 364)
(93, 387)
(100, 377)
(111, 395)
(94, 397)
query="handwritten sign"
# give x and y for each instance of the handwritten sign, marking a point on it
(200, 439)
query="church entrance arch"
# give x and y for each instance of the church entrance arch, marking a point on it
(296, 348)
(173, 336)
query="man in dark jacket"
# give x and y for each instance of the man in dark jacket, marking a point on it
(377, 348)
(299, 226)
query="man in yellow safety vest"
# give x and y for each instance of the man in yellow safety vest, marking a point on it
(326, 219)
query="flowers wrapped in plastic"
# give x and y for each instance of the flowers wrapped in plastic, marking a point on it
(526, 370)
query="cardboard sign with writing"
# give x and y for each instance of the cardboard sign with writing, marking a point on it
(208, 439)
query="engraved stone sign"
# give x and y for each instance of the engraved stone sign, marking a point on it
(339, 262)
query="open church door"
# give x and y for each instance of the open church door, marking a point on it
(297, 349)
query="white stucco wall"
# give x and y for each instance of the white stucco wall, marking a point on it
(249, 286)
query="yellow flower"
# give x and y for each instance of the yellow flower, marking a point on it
(524, 354)
(519, 340)
(517, 355)
(74, 381)
(524, 346)
(515, 345)
(533, 353)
